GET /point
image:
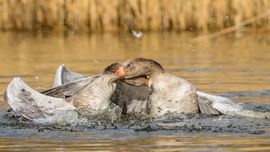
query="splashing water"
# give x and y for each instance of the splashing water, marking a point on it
(137, 34)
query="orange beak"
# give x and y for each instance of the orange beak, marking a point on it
(120, 72)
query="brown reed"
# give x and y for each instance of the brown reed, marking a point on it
(116, 15)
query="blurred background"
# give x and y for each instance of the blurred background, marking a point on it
(220, 46)
(122, 15)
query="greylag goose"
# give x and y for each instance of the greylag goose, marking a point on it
(93, 93)
(172, 94)
(130, 94)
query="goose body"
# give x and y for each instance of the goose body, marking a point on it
(146, 88)
(96, 95)
(131, 95)
(172, 94)
(92, 93)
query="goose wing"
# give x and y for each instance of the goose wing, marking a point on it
(67, 83)
(131, 98)
(63, 75)
(205, 106)
(212, 104)
(69, 89)
(31, 104)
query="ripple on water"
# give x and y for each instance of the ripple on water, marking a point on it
(168, 133)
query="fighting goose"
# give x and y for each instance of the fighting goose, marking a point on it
(95, 94)
(130, 94)
(172, 94)
(130, 98)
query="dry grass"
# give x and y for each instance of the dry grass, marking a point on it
(115, 15)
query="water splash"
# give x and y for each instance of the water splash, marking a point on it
(83, 121)
(137, 34)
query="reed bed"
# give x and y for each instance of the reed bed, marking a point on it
(117, 15)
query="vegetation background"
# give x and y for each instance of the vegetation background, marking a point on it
(145, 15)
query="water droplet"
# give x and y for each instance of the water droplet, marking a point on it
(137, 34)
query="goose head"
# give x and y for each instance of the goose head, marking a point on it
(115, 69)
(141, 69)
(114, 72)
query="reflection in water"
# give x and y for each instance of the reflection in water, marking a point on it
(199, 142)
(224, 64)
(237, 68)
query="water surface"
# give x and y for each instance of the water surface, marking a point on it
(238, 68)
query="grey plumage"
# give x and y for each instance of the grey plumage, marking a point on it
(34, 105)
(63, 75)
(126, 94)
(206, 107)
(131, 96)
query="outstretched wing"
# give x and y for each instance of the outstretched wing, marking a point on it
(32, 104)
(63, 75)
(67, 83)
(212, 104)
(206, 107)
(130, 94)
(69, 89)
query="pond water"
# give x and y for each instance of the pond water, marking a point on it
(238, 68)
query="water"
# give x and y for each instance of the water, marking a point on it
(237, 68)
